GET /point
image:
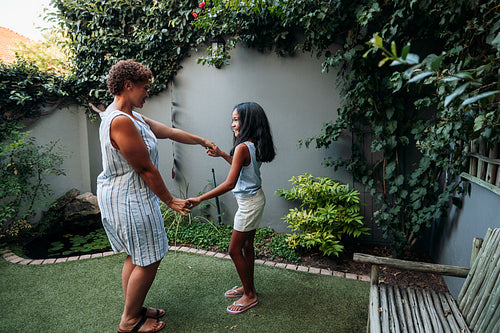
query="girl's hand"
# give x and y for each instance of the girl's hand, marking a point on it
(214, 151)
(193, 202)
(179, 205)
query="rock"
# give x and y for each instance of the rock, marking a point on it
(71, 213)
(81, 207)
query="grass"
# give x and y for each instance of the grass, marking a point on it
(85, 296)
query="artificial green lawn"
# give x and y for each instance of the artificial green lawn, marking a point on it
(86, 296)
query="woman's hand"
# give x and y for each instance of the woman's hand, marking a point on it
(179, 205)
(208, 144)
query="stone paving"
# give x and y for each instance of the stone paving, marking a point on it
(15, 259)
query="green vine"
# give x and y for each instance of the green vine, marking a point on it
(417, 121)
(417, 117)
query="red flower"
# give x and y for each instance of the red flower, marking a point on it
(201, 4)
(195, 15)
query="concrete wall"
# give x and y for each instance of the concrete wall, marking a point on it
(480, 211)
(297, 99)
(296, 96)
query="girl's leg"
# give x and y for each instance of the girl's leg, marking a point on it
(136, 281)
(241, 250)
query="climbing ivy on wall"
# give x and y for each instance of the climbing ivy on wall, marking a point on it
(158, 34)
(416, 126)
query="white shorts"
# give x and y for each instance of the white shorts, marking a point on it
(249, 213)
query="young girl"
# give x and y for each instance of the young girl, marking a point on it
(252, 145)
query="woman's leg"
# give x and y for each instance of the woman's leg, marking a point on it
(128, 267)
(241, 250)
(136, 281)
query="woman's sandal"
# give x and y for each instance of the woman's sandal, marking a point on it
(159, 313)
(141, 323)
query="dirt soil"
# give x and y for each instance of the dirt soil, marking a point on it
(389, 275)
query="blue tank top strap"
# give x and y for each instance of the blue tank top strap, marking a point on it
(249, 180)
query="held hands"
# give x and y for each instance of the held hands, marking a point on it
(180, 205)
(208, 144)
(193, 202)
(214, 151)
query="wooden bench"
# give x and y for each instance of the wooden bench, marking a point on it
(396, 309)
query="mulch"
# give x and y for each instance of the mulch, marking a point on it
(404, 278)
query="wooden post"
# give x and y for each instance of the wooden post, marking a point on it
(481, 165)
(492, 168)
(374, 275)
(473, 160)
(476, 246)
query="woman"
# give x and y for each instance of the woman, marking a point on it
(130, 187)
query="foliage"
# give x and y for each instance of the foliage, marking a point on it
(417, 123)
(200, 234)
(155, 33)
(25, 89)
(328, 210)
(24, 166)
(48, 54)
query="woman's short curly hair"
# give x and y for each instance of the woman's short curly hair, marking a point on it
(126, 70)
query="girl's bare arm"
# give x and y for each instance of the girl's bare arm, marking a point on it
(127, 139)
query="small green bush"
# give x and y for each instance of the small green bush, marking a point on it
(204, 234)
(328, 211)
(24, 166)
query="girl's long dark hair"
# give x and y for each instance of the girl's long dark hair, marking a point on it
(254, 126)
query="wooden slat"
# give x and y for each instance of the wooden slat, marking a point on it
(393, 313)
(491, 309)
(373, 313)
(415, 313)
(432, 309)
(479, 274)
(401, 305)
(384, 308)
(489, 295)
(476, 246)
(448, 311)
(477, 263)
(423, 310)
(457, 314)
(494, 324)
(440, 312)
(412, 265)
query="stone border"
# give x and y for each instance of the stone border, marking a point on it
(15, 259)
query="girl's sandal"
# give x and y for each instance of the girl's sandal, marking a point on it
(232, 293)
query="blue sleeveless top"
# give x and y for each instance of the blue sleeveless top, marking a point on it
(249, 181)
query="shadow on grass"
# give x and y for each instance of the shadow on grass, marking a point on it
(86, 296)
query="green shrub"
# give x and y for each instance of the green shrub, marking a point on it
(202, 233)
(24, 166)
(328, 211)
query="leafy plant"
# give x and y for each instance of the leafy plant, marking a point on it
(328, 210)
(24, 166)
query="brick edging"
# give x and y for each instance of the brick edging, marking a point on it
(15, 259)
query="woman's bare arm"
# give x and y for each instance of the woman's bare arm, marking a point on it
(127, 139)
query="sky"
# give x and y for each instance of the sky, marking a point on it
(24, 16)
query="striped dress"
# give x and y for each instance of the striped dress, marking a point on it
(130, 211)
